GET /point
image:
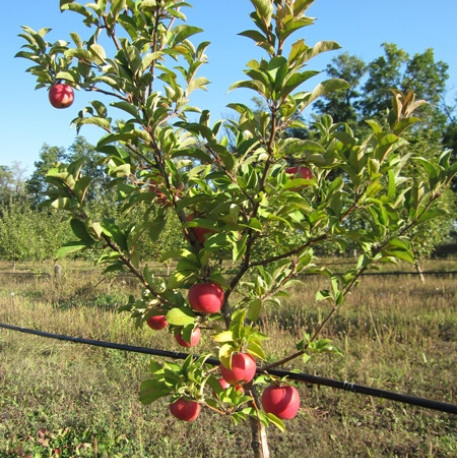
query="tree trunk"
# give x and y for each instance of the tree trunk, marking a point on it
(259, 439)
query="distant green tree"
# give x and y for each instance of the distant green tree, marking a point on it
(36, 185)
(12, 183)
(27, 234)
(343, 105)
(370, 96)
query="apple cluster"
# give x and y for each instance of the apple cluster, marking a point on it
(281, 400)
(208, 298)
(204, 298)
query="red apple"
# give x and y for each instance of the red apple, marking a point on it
(198, 232)
(282, 401)
(300, 172)
(206, 297)
(61, 95)
(243, 369)
(185, 410)
(157, 322)
(195, 338)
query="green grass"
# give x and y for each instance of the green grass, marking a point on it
(65, 399)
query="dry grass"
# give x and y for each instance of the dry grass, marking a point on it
(396, 333)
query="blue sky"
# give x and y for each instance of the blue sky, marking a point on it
(27, 121)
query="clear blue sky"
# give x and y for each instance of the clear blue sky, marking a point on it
(360, 26)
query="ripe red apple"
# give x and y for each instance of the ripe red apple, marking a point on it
(61, 95)
(206, 297)
(157, 322)
(185, 410)
(300, 172)
(282, 401)
(243, 369)
(198, 232)
(195, 338)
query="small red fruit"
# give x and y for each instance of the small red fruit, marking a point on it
(195, 338)
(185, 410)
(61, 95)
(243, 369)
(282, 401)
(198, 232)
(300, 172)
(225, 385)
(157, 322)
(206, 297)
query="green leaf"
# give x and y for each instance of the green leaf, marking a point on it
(292, 25)
(254, 309)
(182, 32)
(432, 213)
(78, 9)
(151, 390)
(98, 53)
(94, 120)
(295, 80)
(238, 323)
(322, 295)
(331, 85)
(239, 248)
(264, 9)
(277, 69)
(225, 355)
(122, 170)
(224, 337)
(255, 35)
(63, 75)
(256, 350)
(321, 47)
(81, 187)
(374, 125)
(186, 332)
(180, 317)
(128, 107)
(79, 53)
(276, 421)
(197, 83)
(148, 60)
(71, 247)
(254, 85)
(79, 229)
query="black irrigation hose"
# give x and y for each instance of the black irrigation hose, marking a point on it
(437, 273)
(307, 378)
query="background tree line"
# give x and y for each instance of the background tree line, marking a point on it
(31, 230)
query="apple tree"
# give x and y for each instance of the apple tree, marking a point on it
(163, 155)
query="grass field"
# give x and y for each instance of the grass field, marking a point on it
(65, 399)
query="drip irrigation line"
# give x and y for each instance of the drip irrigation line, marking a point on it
(437, 273)
(301, 377)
